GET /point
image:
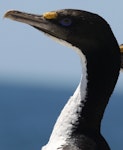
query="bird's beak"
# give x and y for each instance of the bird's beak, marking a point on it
(31, 19)
(41, 22)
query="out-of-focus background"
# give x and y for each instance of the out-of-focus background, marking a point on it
(37, 76)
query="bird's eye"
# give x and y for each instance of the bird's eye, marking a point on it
(66, 22)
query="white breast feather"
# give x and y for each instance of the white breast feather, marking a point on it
(60, 138)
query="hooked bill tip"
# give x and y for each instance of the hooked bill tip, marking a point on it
(8, 13)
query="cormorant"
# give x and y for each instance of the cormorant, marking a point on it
(78, 126)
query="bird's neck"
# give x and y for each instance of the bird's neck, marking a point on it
(84, 110)
(100, 75)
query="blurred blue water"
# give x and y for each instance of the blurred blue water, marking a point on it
(28, 113)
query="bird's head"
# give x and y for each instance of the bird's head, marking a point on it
(76, 27)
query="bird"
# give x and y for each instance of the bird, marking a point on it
(78, 126)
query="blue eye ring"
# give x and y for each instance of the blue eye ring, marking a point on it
(66, 22)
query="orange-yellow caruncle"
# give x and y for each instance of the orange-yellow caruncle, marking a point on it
(50, 15)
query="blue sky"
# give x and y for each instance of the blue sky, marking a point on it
(28, 55)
